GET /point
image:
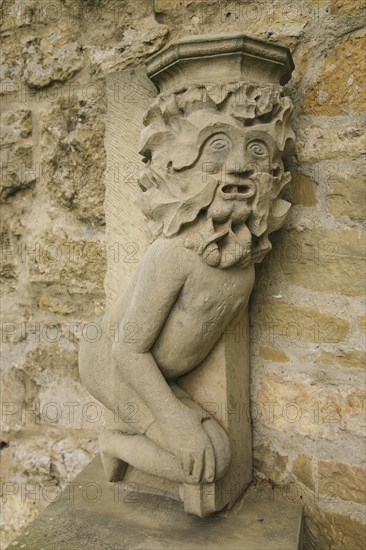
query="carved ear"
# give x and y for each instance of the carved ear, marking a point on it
(277, 215)
(285, 136)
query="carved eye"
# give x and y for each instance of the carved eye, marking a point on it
(219, 144)
(257, 148)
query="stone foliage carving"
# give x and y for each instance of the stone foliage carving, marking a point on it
(210, 184)
(219, 150)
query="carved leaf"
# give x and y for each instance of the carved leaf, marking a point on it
(185, 210)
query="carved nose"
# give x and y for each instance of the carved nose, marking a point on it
(238, 182)
(246, 190)
(239, 174)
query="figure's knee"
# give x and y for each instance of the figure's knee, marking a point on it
(106, 439)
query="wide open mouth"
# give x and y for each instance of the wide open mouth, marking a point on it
(238, 191)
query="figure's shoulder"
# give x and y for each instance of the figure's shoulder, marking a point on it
(163, 247)
(169, 255)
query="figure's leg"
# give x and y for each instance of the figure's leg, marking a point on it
(119, 449)
(217, 435)
(149, 453)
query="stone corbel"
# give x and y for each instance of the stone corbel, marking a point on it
(175, 339)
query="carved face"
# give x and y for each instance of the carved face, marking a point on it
(246, 163)
(215, 160)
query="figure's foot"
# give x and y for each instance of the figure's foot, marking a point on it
(114, 468)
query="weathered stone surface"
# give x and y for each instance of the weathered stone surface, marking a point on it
(164, 5)
(270, 463)
(302, 469)
(73, 153)
(273, 354)
(346, 197)
(9, 261)
(300, 404)
(18, 392)
(361, 320)
(17, 13)
(34, 469)
(300, 323)
(53, 58)
(318, 142)
(342, 481)
(301, 190)
(302, 59)
(345, 358)
(343, 530)
(346, 7)
(325, 260)
(132, 522)
(53, 359)
(81, 263)
(15, 125)
(339, 87)
(17, 169)
(11, 67)
(135, 45)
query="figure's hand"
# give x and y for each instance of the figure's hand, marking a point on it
(189, 442)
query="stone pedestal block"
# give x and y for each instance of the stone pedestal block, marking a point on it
(93, 513)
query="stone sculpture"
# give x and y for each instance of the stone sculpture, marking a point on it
(212, 147)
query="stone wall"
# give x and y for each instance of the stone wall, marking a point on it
(308, 324)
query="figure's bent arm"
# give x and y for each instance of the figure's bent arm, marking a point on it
(159, 283)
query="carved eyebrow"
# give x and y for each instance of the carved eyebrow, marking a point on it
(200, 149)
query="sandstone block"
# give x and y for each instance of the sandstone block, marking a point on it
(346, 197)
(16, 155)
(53, 58)
(303, 405)
(319, 142)
(270, 463)
(53, 259)
(15, 125)
(333, 530)
(17, 13)
(135, 45)
(18, 393)
(349, 358)
(346, 7)
(273, 354)
(343, 481)
(339, 87)
(301, 190)
(325, 260)
(73, 156)
(301, 323)
(165, 5)
(17, 169)
(361, 320)
(302, 469)
(11, 66)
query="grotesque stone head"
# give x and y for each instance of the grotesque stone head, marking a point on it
(216, 154)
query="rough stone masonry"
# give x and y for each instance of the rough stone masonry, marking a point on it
(309, 321)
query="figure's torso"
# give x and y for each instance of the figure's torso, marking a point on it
(210, 299)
